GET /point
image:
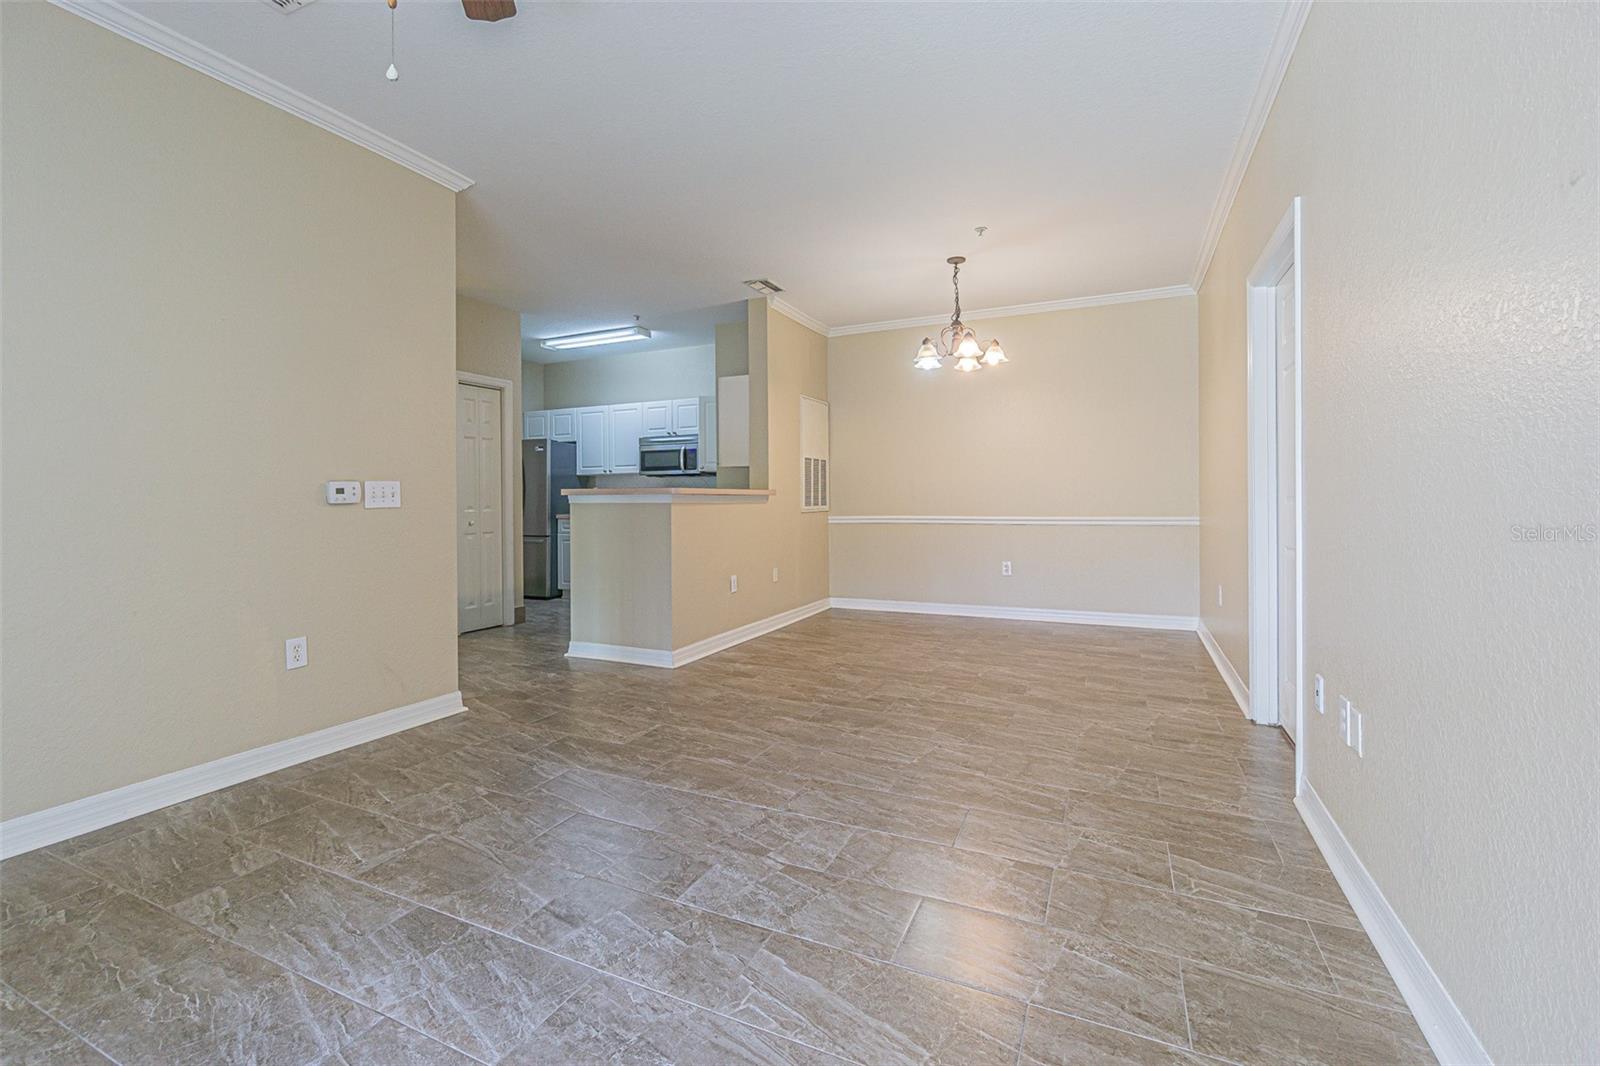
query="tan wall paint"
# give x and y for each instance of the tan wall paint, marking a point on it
(1446, 156)
(1095, 415)
(622, 574)
(671, 374)
(222, 308)
(489, 342)
(532, 386)
(706, 543)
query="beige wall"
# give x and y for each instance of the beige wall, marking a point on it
(489, 342)
(532, 386)
(603, 379)
(622, 574)
(1446, 156)
(1095, 415)
(230, 307)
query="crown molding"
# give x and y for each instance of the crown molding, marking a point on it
(156, 37)
(793, 313)
(1290, 24)
(1076, 302)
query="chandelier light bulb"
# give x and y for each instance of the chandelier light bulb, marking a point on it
(968, 348)
(927, 356)
(968, 363)
(993, 354)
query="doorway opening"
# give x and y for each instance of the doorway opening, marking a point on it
(1276, 504)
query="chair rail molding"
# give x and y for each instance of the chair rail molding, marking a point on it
(1010, 520)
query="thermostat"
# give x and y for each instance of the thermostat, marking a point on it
(344, 492)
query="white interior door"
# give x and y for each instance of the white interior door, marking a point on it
(1286, 361)
(480, 513)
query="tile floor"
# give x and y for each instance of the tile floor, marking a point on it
(865, 838)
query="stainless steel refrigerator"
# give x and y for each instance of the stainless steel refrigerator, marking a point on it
(548, 466)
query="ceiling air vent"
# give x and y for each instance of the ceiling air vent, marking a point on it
(287, 5)
(761, 285)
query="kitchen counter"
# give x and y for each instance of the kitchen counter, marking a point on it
(665, 493)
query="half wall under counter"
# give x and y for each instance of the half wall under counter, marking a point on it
(653, 571)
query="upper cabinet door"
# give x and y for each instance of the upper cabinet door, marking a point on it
(627, 425)
(686, 415)
(535, 424)
(563, 424)
(593, 425)
(657, 417)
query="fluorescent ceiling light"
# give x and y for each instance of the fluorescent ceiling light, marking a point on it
(599, 336)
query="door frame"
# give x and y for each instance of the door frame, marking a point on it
(510, 595)
(1282, 253)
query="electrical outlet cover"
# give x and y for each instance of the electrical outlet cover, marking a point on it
(294, 653)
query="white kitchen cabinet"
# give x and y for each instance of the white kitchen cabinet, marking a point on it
(657, 418)
(535, 424)
(686, 415)
(564, 555)
(627, 426)
(563, 424)
(593, 433)
(706, 414)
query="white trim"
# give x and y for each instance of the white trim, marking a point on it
(1008, 520)
(510, 594)
(1441, 1021)
(709, 646)
(666, 497)
(41, 828)
(156, 37)
(1281, 253)
(1021, 614)
(620, 653)
(794, 314)
(1230, 676)
(1071, 304)
(1292, 21)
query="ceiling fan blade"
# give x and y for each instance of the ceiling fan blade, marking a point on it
(489, 10)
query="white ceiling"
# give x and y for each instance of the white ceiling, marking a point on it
(647, 158)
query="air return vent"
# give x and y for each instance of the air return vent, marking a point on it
(763, 286)
(287, 5)
(813, 454)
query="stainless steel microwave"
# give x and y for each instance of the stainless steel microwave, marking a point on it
(665, 456)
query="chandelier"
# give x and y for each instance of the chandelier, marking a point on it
(956, 341)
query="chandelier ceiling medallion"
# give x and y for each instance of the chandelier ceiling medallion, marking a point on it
(956, 341)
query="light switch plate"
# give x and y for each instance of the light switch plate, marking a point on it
(1316, 694)
(382, 494)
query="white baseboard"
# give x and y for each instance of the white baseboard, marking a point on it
(41, 828)
(701, 648)
(1021, 614)
(1230, 676)
(1440, 1020)
(622, 653)
(619, 653)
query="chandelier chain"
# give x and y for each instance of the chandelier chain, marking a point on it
(955, 280)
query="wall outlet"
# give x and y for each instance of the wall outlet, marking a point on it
(382, 494)
(733, 582)
(1005, 568)
(774, 574)
(1219, 595)
(1316, 694)
(294, 653)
